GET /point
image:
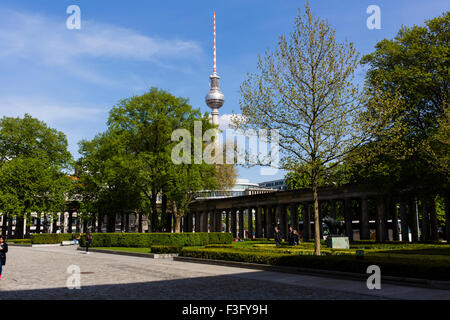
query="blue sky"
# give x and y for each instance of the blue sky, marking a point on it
(71, 78)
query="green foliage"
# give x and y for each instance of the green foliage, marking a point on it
(146, 240)
(19, 241)
(33, 158)
(408, 80)
(51, 238)
(165, 249)
(413, 266)
(127, 167)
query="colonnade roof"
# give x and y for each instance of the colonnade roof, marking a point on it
(288, 197)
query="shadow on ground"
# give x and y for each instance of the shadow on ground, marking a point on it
(201, 288)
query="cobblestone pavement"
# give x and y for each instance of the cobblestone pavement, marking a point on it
(41, 273)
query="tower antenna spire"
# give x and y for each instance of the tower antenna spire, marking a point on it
(214, 69)
(215, 98)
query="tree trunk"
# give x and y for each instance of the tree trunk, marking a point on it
(177, 228)
(154, 214)
(164, 216)
(140, 222)
(38, 224)
(54, 222)
(29, 223)
(99, 223)
(10, 225)
(111, 223)
(122, 222)
(5, 224)
(316, 221)
(18, 232)
(70, 222)
(78, 225)
(127, 222)
(45, 223)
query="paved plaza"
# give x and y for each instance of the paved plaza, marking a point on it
(41, 273)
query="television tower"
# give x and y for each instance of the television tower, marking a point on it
(215, 98)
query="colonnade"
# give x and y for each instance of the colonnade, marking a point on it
(368, 215)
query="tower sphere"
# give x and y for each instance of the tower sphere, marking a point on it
(215, 98)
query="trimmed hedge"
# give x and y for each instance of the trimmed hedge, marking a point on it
(51, 238)
(393, 266)
(146, 240)
(166, 249)
(19, 241)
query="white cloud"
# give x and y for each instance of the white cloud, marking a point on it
(46, 41)
(49, 111)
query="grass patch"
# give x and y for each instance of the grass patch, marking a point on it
(123, 249)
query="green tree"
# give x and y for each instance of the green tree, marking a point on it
(414, 65)
(304, 89)
(145, 125)
(33, 158)
(106, 183)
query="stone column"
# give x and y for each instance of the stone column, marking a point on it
(241, 223)
(395, 231)
(258, 222)
(183, 221)
(266, 222)
(227, 220)
(205, 221)
(425, 222)
(414, 220)
(191, 222)
(217, 222)
(250, 222)
(333, 209)
(78, 224)
(434, 234)
(211, 220)
(404, 222)
(306, 221)
(233, 222)
(271, 215)
(321, 219)
(381, 226)
(447, 218)
(364, 223)
(284, 222)
(348, 218)
(197, 220)
(70, 222)
(294, 216)
(65, 220)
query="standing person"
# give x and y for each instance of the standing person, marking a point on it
(291, 236)
(88, 241)
(278, 236)
(3, 251)
(296, 238)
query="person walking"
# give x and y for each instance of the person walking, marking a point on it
(3, 251)
(88, 241)
(278, 236)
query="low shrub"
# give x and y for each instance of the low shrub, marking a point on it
(219, 246)
(51, 238)
(19, 241)
(390, 265)
(166, 249)
(146, 240)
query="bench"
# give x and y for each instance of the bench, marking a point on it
(67, 243)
